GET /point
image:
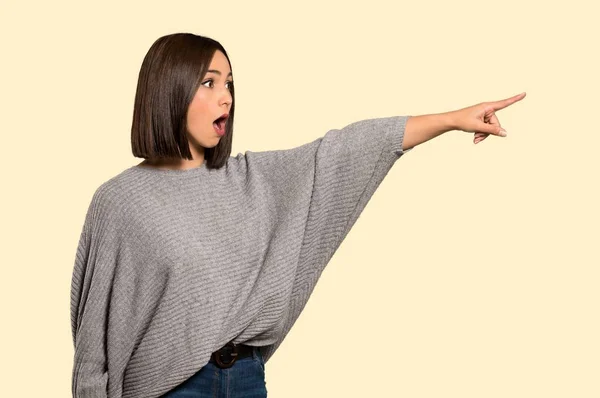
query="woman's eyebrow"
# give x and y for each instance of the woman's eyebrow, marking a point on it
(218, 72)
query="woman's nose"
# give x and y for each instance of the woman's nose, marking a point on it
(226, 97)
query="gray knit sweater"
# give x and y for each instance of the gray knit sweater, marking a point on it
(173, 264)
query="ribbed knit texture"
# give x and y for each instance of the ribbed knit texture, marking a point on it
(173, 264)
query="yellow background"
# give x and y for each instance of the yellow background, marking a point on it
(473, 271)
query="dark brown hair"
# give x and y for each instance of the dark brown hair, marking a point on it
(171, 73)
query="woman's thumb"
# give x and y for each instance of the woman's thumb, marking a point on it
(491, 129)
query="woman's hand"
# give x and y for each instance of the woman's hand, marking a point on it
(481, 118)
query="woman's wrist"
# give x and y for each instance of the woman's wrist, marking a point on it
(422, 128)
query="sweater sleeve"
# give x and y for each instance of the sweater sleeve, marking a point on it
(350, 165)
(90, 299)
(325, 185)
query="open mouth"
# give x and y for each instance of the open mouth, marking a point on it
(220, 124)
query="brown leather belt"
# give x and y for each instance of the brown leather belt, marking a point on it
(226, 356)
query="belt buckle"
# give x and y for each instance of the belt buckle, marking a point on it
(226, 356)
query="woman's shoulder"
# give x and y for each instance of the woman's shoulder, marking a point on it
(115, 191)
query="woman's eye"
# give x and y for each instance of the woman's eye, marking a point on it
(211, 81)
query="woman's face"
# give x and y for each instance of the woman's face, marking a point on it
(212, 100)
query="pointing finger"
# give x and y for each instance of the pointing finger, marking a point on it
(497, 105)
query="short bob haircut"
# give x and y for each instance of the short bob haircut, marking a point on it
(170, 75)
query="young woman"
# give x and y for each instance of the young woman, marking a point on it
(193, 265)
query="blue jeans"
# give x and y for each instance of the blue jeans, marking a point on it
(245, 379)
